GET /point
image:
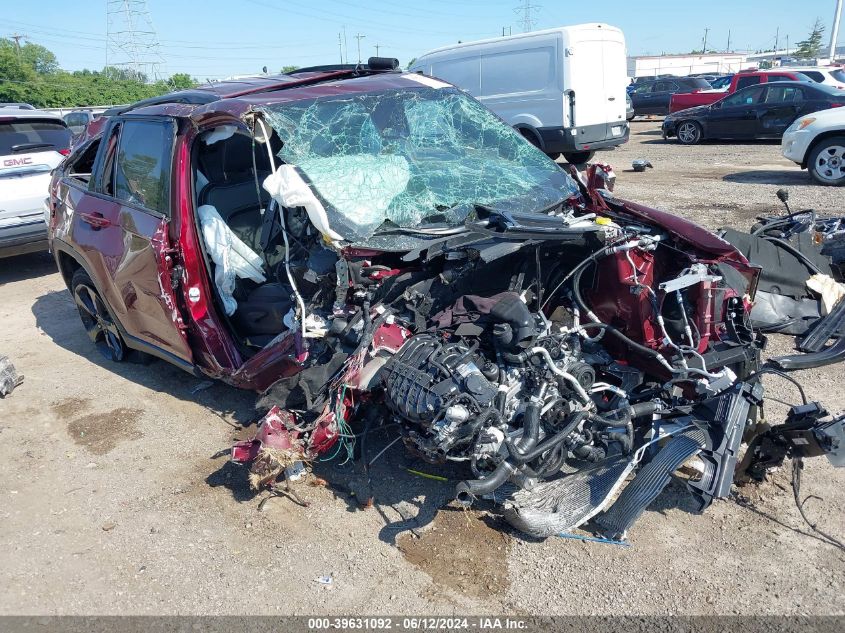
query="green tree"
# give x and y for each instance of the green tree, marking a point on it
(811, 47)
(181, 81)
(289, 69)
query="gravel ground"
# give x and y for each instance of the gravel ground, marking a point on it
(113, 501)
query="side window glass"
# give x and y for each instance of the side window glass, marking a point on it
(103, 180)
(743, 82)
(643, 88)
(142, 165)
(82, 166)
(744, 97)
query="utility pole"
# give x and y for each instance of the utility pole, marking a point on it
(510, 31)
(340, 45)
(729, 41)
(834, 32)
(525, 10)
(787, 45)
(704, 46)
(18, 37)
(377, 47)
(359, 37)
(777, 36)
(345, 47)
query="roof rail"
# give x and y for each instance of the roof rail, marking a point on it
(192, 97)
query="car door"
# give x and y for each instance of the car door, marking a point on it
(779, 107)
(735, 116)
(121, 227)
(642, 97)
(662, 95)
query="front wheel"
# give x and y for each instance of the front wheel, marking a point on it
(689, 133)
(827, 161)
(96, 318)
(578, 158)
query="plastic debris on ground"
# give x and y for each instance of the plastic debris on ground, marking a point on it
(9, 377)
(593, 539)
(641, 164)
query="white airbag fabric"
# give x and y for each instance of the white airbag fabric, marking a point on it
(830, 290)
(231, 256)
(289, 189)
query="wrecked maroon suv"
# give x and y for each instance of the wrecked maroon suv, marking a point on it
(371, 248)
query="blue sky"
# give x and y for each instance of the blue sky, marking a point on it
(217, 38)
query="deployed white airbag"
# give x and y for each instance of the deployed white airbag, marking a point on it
(231, 256)
(290, 190)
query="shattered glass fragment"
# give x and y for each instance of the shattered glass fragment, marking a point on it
(410, 159)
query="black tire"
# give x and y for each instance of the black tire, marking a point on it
(553, 155)
(688, 132)
(530, 136)
(96, 318)
(578, 158)
(826, 162)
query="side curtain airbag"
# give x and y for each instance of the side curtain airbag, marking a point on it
(231, 256)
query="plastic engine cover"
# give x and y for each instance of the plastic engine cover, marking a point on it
(425, 375)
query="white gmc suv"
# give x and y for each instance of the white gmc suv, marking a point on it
(32, 143)
(817, 143)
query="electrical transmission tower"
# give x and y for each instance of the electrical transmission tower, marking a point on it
(524, 10)
(131, 40)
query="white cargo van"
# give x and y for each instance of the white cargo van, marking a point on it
(563, 88)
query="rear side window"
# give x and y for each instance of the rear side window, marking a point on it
(22, 136)
(698, 84)
(838, 74)
(814, 75)
(517, 71)
(780, 94)
(142, 165)
(666, 86)
(750, 80)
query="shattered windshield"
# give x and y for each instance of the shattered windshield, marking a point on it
(411, 159)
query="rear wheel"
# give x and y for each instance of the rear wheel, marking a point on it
(96, 318)
(827, 161)
(578, 158)
(688, 132)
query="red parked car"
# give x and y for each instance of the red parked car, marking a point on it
(368, 246)
(685, 100)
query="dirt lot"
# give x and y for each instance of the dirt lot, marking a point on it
(112, 499)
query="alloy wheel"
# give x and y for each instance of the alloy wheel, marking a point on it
(98, 323)
(688, 133)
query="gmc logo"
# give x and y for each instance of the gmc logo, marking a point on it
(17, 162)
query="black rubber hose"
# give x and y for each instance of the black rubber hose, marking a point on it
(530, 427)
(589, 453)
(468, 490)
(642, 409)
(524, 456)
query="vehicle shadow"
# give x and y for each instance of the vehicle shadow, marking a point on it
(57, 317)
(769, 177)
(23, 267)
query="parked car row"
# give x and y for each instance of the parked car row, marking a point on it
(763, 111)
